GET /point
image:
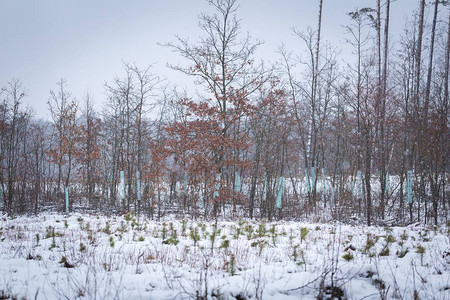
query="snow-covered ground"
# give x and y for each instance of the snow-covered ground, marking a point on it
(98, 257)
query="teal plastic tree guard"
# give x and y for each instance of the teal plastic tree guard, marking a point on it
(360, 184)
(313, 178)
(409, 186)
(265, 187)
(217, 186)
(308, 184)
(66, 193)
(280, 192)
(332, 196)
(138, 185)
(237, 182)
(324, 186)
(122, 184)
(387, 187)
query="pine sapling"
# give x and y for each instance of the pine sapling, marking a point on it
(303, 233)
(194, 235)
(232, 264)
(348, 256)
(421, 251)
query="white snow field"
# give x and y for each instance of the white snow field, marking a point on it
(97, 257)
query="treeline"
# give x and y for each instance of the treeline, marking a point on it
(365, 139)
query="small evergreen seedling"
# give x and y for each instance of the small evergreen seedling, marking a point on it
(128, 216)
(294, 253)
(171, 228)
(262, 229)
(303, 233)
(173, 240)
(421, 250)
(385, 251)
(347, 256)
(249, 229)
(53, 245)
(225, 244)
(107, 228)
(87, 227)
(273, 234)
(232, 265)
(237, 232)
(291, 236)
(122, 229)
(175, 236)
(369, 243)
(194, 235)
(183, 227)
(390, 238)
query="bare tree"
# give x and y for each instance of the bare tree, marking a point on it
(223, 63)
(63, 111)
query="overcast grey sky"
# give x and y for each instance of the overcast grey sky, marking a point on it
(84, 41)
